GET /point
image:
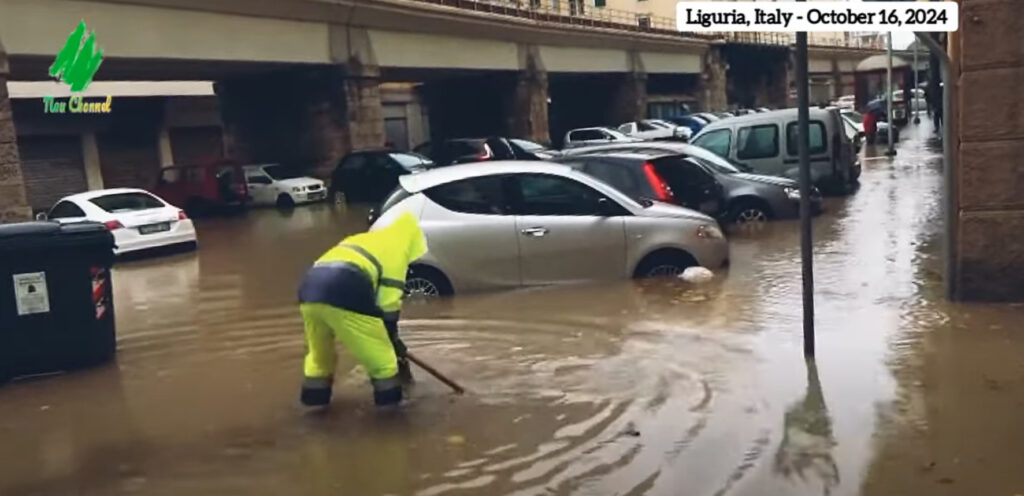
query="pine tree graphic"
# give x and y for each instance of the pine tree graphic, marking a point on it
(77, 61)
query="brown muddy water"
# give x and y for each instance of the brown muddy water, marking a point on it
(623, 389)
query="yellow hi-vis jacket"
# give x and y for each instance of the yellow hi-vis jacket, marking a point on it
(365, 273)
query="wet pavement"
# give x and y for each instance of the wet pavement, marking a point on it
(626, 389)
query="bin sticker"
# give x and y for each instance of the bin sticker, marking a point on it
(31, 294)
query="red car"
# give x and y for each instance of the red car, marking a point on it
(205, 188)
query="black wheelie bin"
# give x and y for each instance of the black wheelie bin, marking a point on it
(56, 300)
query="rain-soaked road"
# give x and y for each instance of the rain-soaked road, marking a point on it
(626, 389)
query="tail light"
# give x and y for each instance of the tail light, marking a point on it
(181, 215)
(661, 190)
(113, 224)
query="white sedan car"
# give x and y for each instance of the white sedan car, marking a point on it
(275, 184)
(138, 219)
(655, 129)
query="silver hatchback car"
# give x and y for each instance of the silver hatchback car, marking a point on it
(506, 224)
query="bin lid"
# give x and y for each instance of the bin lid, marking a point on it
(26, 235)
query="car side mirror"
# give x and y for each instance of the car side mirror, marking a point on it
(605, 208)
(42, 216)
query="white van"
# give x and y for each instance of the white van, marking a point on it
(766, 144)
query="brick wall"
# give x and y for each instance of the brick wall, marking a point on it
(989, 122)
(13, 204)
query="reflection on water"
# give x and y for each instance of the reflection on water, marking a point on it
(807, 438)
(652, 388)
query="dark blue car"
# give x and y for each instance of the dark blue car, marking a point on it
(691, 121)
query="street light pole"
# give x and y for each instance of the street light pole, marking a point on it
(803, 148)
(888, 95)
(913, 98)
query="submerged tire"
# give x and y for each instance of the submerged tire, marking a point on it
(427, 282)
(664, 264)
(746, 212)
(284, 200)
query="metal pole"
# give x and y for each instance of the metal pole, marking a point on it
(913, 100)
(888, 95)
(803, 147)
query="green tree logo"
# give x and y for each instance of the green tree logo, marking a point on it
(78, 60)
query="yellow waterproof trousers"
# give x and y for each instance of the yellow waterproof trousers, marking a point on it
(364, 336)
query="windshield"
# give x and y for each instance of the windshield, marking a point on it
(615, 133)
(280, 172)
(527, 146)
(659, 123)
(127, 202)
(410, 161)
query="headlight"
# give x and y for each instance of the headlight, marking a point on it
(707, 231)
(792, 193)
(297, 189)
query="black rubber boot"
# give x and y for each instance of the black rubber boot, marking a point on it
(318, 396)
(387, 397)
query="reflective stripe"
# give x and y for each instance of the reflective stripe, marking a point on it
(386, 384)
(393, 283)
(367, 255)
(317, 382)
(337, 263)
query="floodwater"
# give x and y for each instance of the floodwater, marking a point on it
(621, 389)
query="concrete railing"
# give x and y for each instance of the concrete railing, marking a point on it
(580, 13)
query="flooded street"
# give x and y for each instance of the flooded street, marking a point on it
(623, 389)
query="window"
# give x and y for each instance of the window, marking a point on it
(626, 128)
(586, 135)
(260, 179)
(354, 162)
(645, 126)
(280, 172)
(480, 195)
(65, 210)
(600, 3)
(644, 21)
(717, 142)
(576, 7)
(757, 142)
(127, 202)
(817, 137)
(409, 161)
(684, 176)
(617, 175)
(542, 194)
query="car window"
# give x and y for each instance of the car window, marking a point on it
(479, 195)
(409, 161)
(618, 176)
(258, 179)
(393, 198)
(644, 126)
(65, 210)
(626, 128)
(501, 149)
(586, 135)
(353, 162)
(459, 149)
(280, 172)
(816, 134)
(683, 175)
(127, 202)
(541, 194)
(717, 142)
(756, 142)
(527, 146)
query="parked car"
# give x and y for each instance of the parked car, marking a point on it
(596, 135)
(654, 129)
(763, 109)
(653, 174)
(138, 219)
(755, 141)
(276, 184)
(508, 224)
(708, 116)
(369, 175)
(724, 115)
(467, 150)
(746, 197)
(203, 189)
(692, 122)
(846, 102)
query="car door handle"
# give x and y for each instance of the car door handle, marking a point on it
(534, 231)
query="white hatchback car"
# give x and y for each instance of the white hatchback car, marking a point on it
(138, 219)
(507, 224)
(275, 184)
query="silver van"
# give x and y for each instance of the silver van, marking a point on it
(766, 144)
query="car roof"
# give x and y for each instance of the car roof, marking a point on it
(766, 116)
(89, 195)
(643, 154)
(414, 183)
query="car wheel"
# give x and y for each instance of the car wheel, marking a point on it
(426, 282)
(284, 200)
(749, 213)
(664, 264)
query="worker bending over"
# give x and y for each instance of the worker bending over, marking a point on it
(353, 293)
